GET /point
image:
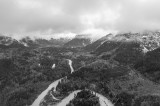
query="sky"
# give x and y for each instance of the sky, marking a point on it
(57, 18)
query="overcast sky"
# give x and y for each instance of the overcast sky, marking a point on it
(50, 17)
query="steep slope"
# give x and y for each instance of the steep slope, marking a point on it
(78, 41)
(148, 41)
(97, 43)
(128, 53)
(122, 52)
(150, 65)
(126, 48)
(107, 46)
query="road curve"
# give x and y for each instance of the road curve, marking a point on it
(66, 100)
(102, 100)
(45, 92)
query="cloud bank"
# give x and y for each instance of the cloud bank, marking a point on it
(69, 17)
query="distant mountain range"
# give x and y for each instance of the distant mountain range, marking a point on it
(148, 41)
(9, 42)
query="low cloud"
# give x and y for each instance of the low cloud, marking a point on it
(52, 17)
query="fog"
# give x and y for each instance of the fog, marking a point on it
(66, 18)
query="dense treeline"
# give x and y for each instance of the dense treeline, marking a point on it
(26, 73)
(84, 98)
(150, 65)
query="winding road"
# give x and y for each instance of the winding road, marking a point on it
(70, 64)
(52, 85)
(103, 100)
